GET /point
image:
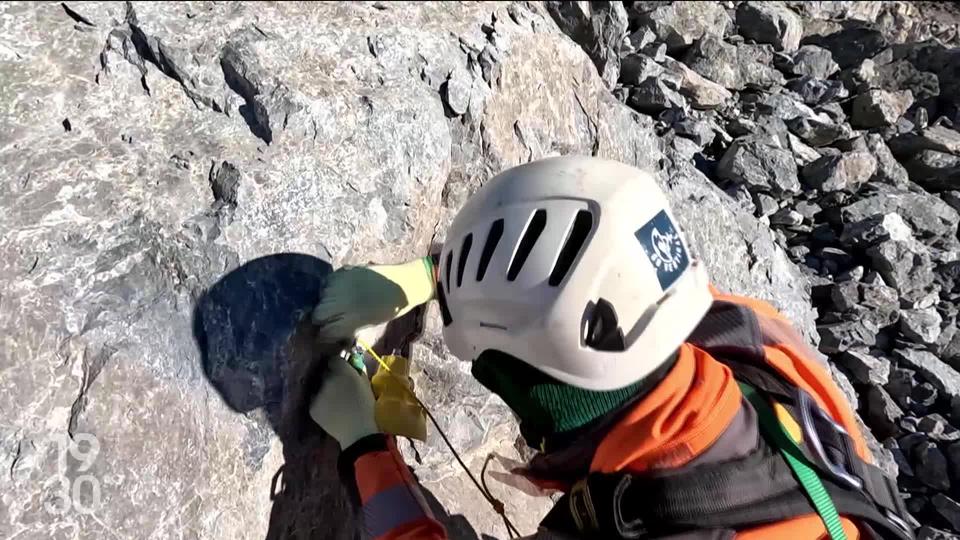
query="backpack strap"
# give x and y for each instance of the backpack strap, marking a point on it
(736, 495)
(759, 489)
(806, 475)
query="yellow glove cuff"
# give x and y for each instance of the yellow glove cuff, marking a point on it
(415, 279)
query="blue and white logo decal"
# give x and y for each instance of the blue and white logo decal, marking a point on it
(662, 245)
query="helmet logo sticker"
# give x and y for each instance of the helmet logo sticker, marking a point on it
(662, 245)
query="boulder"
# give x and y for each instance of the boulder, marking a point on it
(813, 61)
(928, 216)
(902, 75)
(906, 266)
(834, 11)
(851, 45)
(817, 132)
(841, 172)
(926, 532)
(879, 304)
(921, 325)
(786, 217)
(807, 209)
(865, 368)
(900, 385)
(803, 153)
(817, 91)
(881, 412)
(876, 229)
(758, 165)
(937, 428)
(770, 22)
(879, 108)
(836, 338)
(930, 466)
(764, 204)
(948, 509)
(936, 372)
(934, 171)
(845, 296)
(638, 67)
(701, 92)
(889, 170)
(598, 27)
(653, 95)
(702, 131)
(731, 66)
(951, 351)
(679, 24)
(937, 138)
(952, 198)
(953, 458)
(785, 107)
(637, 40)
(922, 397)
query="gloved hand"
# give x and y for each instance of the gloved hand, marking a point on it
(358, 297)
(344, 405)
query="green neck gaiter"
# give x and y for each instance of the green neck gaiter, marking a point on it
(546, 407)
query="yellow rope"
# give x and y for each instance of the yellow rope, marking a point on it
(494, 502)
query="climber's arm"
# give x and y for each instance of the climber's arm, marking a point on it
(380, 482)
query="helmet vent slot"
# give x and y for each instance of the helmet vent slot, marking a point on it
(464, 253)
(493, 239)
(448, 268)
(529, 239)
(582, 224)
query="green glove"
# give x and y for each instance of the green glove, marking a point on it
(344, 405)
(357, 297)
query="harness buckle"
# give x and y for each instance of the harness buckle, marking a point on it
(899, 522)
(810, 415)
(581, 507)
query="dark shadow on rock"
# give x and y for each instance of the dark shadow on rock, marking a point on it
(261, 353)
(258, 350)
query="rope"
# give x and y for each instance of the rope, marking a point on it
(497, 505)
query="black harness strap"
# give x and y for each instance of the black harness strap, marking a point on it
(740, 494)
(737, 494)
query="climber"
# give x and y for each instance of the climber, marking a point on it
(658, 404)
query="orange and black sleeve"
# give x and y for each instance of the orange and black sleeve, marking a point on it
(390, 499)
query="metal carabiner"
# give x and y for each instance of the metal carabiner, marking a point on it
(810, 412)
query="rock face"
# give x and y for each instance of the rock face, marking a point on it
(182, 176)
(597, 26)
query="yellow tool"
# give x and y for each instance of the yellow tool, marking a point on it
(396, 410)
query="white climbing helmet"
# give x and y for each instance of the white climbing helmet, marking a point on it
(574, 265)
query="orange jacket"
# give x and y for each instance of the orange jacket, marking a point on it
(676, 423)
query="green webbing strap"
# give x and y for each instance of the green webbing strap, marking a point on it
(806, 475)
